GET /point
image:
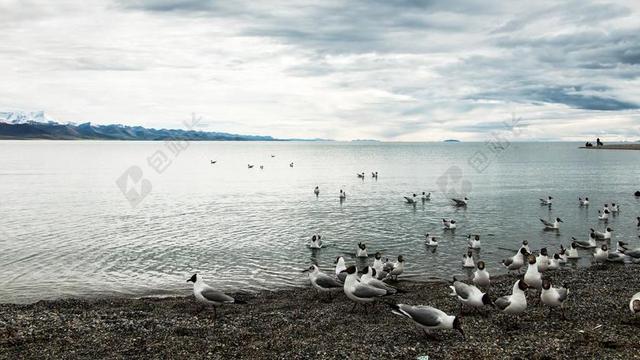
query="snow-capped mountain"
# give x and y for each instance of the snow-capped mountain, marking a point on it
(23, 117)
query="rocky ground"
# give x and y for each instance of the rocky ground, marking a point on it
(296, 324)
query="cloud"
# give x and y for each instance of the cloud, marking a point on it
(392, 70)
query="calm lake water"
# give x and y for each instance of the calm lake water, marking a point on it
(67, 230)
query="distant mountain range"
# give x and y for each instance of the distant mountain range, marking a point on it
(37, 125)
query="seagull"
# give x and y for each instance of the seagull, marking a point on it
(546, 201)
(361, 251)
(428, 318)
(449, 224)
(474, 242)
(515, 303)
(378, 266)
(316, 191)
(273, 156)
(638, 221)
(431, 241)
(426, 197)
(361, 176)
(343, 195)
(213, 161)
(634, 304)
(374, 175)
(321, 281)
(517, 261)
(553, 296)
(554, 262)
(358, 291)
(572, 253)
(340, 269)
(614, 208)
(291, 164)
(603, 215)
(469, 295)
(606, 235)
(552, 226)
(563, 255)
(316, 242)
(261, 167)
(634, 254)
(467, 260)
(583, 202)
(532, 276)
(369, 277)
(411, 200)
(601, 254)
(207, 295)
(249, 166)
(481, 276)
(590, 244)
(458, 202)
(397, 269)
(543, 260)
(525, 244)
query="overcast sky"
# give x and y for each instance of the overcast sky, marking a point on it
(388, 70)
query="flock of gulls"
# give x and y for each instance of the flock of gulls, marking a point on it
(374, 281)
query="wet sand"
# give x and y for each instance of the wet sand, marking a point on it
(297, 324)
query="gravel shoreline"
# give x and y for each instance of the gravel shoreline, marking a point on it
(297, 324)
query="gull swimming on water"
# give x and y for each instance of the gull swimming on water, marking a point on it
(396, 269)
(461, 202)
(553, 296)
(590, 244)
(340, 269)
(467, 260)
(361, 176)
(606, 235)
(316, 191)
(603, 215)
(563, 254)
(555, 225)
(473, 241)
(361, 251)
(426, 197)
(431, 241)
(316, 242)
(321, 281)
(411, 200)
(583, 202)
(481, 277)
(614, 208)
(547, 201)
(449, 224)
(207, 295)
(343, 195)
(572, 252)
(428, 318)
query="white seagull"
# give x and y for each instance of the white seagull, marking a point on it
(515, 303)
(428, 318)
(547, 201)
(583, 202)
(411, 200)
(590, 244)
(449, 224)
(316, 191)
(426, 197)
(378, 265)
(516, 262)
(207, 295)
(343, 195)
(473, 241)
(572, 252)
(601, 254)
(370, 277)
(461, 202)
(340, 269)
(358, 291)
(606, 235)
(361, 251)
(316, 242)
(543, 260)
(555, 225)
(614, 208)
(321, 281)
(553, 296)
(467, 260)
(603, 215)
(634, 304)
(431, 241)
(396, 269)
(532, 276)
(554, 262)
(563, 255)
(481, 277)
(469, 295)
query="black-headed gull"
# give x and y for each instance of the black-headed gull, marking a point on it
(321, 281)
(428, 318)
(553, 296)
(359, 292)
(547, 201)
(481, 277)
(555, 225)
(207, 295)
(461, 202)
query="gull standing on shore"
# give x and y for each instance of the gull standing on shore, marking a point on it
(543, 260)
(516, 262)
(469, 295)
(481, 277)
(321, 281)
(378, 265)
(369, 277)
(359, 292)
(515, 303)
(572, 253)
(532, 276)
(601, 254)
(553, 296)
(634, 304)
(554, 262)
(428, 318)
(207, 295)
(396, 269)
(340, 269)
